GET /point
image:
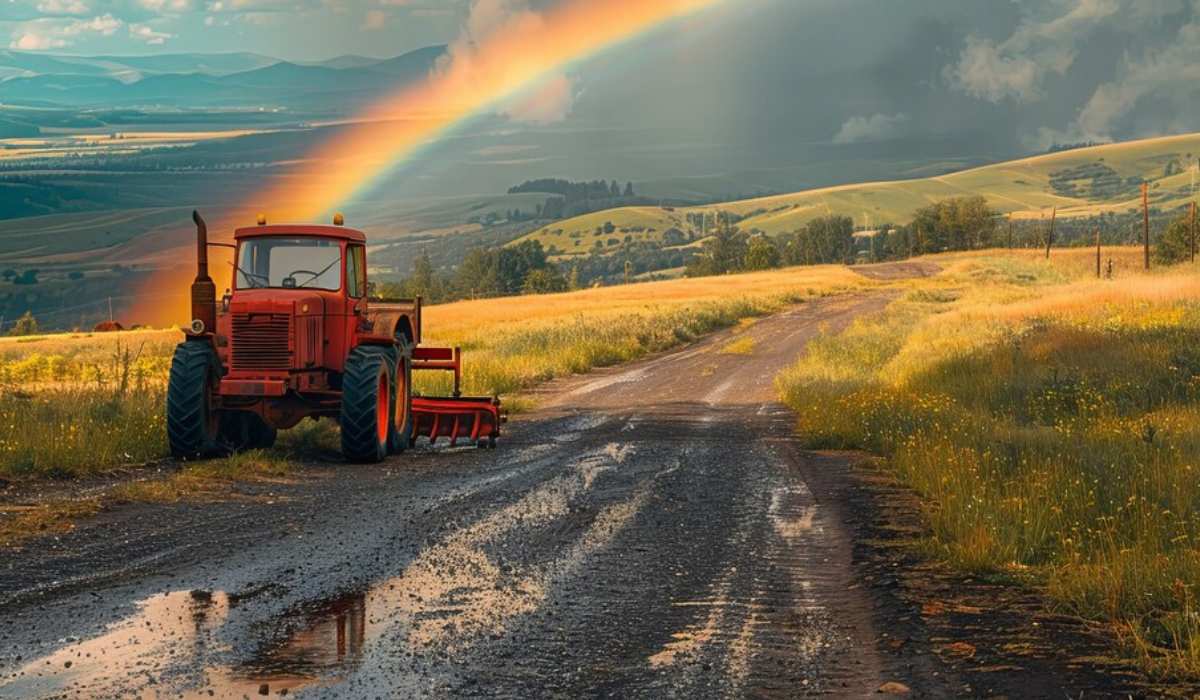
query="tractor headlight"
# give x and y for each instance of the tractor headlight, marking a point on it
(197, 326)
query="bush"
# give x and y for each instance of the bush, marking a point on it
(25, 325)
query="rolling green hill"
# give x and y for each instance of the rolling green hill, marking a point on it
(1081, 182)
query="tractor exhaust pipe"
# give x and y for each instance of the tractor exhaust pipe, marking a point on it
(204, 291)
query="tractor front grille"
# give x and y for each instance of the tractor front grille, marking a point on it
(262, 342)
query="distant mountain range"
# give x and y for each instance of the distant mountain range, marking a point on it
(202, 80)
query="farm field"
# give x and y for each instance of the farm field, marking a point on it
(76, 404)
(1049, 423)
(1081, 183)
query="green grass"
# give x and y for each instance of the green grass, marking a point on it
(1052, 427)
(1021, 187)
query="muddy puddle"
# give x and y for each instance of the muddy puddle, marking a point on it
(166, 642)
(455, 593)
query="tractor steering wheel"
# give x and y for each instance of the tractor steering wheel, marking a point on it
(289, 282)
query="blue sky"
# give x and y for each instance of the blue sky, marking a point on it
(290, 29)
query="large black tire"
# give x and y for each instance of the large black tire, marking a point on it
(193, 427)
(402, 418)
(367, 390)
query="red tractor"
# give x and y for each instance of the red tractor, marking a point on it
(300, 336)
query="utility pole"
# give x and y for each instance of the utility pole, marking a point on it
(1050, 235)
(1097, 252)
(110, 318)
(1010, 232)
(1146, 223)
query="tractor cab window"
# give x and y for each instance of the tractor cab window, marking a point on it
(305, 262)
(356, 271)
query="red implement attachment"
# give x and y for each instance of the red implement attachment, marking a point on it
(458, 417)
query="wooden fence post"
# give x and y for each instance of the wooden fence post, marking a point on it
(1050, 235)
(1146, 223)
(1193, 232)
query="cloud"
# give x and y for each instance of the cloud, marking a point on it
(547, 102)
(148, 34)
(43, 34)
(1016, 67)
(167, 6)
(877, 127)
(374, 20)
(63, 7)
(551, 100)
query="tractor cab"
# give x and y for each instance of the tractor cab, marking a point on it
(298, 305)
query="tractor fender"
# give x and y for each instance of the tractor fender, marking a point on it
(394, 322)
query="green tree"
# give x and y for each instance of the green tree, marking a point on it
(514, 263)
(761, 254)
(28, 277)
(1175, 244)
(826, 239)
(424, 279)
(25, 325)
(544, 280)
(478, 275)
(958, 223)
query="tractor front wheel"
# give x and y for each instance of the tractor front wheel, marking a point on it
(367, 405)
(193, 426)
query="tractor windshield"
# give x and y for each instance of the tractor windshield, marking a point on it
(305, 262)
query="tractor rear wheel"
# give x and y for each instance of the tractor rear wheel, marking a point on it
(402, 420)
(367, 406)
(193, 426)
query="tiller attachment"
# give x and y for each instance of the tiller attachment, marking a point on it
(473, 418)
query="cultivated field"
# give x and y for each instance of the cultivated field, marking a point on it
(1082, 182)
(1050, 422)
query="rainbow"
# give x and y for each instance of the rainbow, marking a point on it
(512, 57)
(515, 56)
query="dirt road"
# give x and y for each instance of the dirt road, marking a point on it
(652, 531)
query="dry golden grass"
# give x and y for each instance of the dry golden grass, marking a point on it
(739, 346)
(1049, 418)
(77, 403)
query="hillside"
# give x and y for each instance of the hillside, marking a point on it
(1082, 182)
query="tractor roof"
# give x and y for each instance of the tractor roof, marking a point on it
(340, 232)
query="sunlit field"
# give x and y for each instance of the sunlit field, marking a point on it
(72, 405)
(1051, 422)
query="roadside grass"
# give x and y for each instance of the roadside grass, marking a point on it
(739, 346)
(73, 405)
(1051, 423)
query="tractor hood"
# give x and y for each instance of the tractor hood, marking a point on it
(276, 330)
(299, 302)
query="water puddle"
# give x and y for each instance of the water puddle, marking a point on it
(170, 637)
(456, 592)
